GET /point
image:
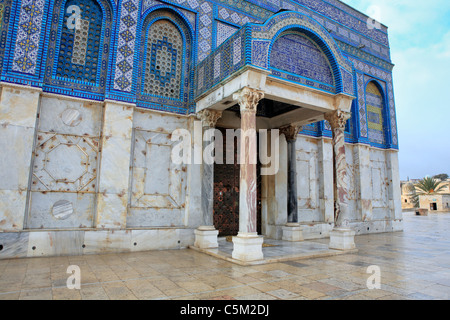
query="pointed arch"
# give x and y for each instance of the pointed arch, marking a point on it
(79, 48)
(376, 113)
(165, 69)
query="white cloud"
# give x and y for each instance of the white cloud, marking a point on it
(419, 33)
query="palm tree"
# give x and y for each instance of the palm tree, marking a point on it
(426, 186)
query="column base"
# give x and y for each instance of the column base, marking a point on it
(247, 247)
(206, 237)
(342, 239)
(292, 232)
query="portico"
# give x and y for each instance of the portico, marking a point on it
(257, 96)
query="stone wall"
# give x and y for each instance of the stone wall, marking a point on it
(81, 177)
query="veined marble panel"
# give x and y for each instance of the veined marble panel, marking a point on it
(55, 243)
(12, 204)
(107, 241)
(158, 186)
(16, 143)
(155, 217)
(71, 117)
(60, 210)
(13, 244)
(157, 239)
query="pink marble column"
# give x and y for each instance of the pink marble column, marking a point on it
(247, 245)
(248, 101)
(338, 120)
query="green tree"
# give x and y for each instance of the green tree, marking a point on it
(442, 176)
(426, 186)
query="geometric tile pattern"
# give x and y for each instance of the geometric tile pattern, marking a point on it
(28, 36)
(164, 61)
(361, 105)
(234, 17)
(206, 18)
(78, 48)
(5, 13)
(123, 78)
(232, 58)
(181, 55)
(386, 76)
(297, 54)
(224, 31)
(280, 21)
(80, 42)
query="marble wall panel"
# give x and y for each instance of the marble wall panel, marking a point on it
(72, 117)
(380, 191)
(55, 243)
(61, 210)
(155, 217)
(158, 185)
(16, 143)
(308, 180)
(158, 239)
(18, 110)
(13, 245)
(106, 241)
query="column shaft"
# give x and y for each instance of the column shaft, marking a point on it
(291, 132)
(209, 119)
(337, 121)
(247, 246)
(248, 183)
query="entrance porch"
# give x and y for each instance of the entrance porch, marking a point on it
(253, 95)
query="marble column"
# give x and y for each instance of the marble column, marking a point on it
(341, 237)
(292, 231)
(247, 245)
(206, 234)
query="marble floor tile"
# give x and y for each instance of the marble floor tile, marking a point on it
(414, 264)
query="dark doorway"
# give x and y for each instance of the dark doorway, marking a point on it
(226, 193)
(433, 206)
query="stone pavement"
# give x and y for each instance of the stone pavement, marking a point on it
(414, 264)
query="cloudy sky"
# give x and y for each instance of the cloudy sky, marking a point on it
(419, 35)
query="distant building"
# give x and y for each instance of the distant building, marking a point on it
(435, 202)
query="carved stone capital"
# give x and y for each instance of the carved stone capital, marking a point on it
(337, 119)
(209, 117)
(290, 132)
(248, 99)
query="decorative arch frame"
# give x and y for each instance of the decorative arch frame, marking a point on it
(177, 18)
(384, 113)
(332, 62)
(263, 37)
(77, 88)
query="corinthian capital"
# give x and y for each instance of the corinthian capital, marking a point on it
(248, 99)
(290, 132)
(337, 119)
(209, 117)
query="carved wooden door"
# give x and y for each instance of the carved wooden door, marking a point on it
(226, 194)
